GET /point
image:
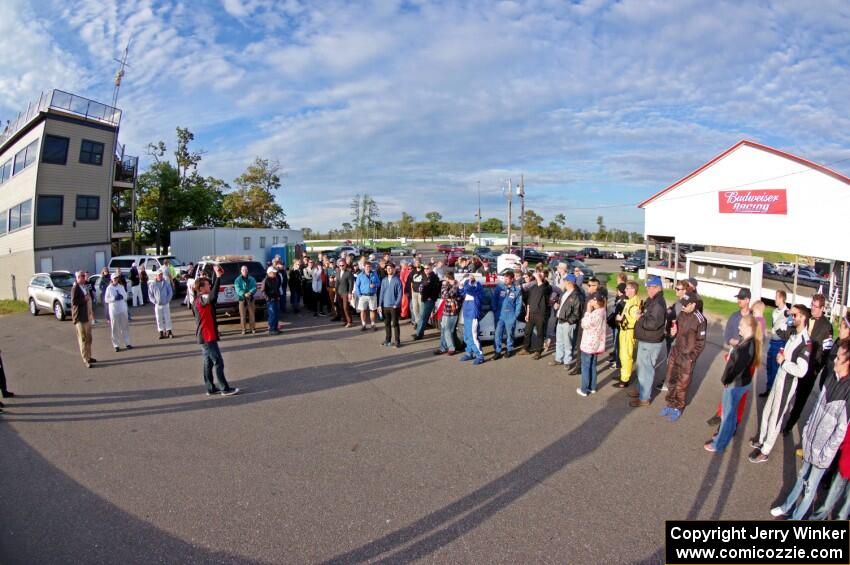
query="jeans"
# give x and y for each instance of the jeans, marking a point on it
(391, 329)
(505, 328)
(425, 314)
(588, 372)
(415, 307)
(470, 337)
(647, 360)
(273, 306)
(731, 398)
(807, 484)
(772, 365)
(836, 489)
(447, 332)
(615, 351)
(212, 358)
(295, 300)
(565, 335)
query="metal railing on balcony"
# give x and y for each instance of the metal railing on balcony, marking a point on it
(63, 102)
(125, 169)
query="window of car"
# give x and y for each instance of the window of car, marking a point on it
(121, 263)
(62, 280)
(233, 270)
(36, 282)
(55, 150)
(91, 152)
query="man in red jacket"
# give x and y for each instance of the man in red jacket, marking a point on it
(206, 297)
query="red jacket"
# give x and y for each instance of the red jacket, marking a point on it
(206, 327)
(844, 456)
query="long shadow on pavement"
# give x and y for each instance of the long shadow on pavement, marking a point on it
(50, 518)
(443, 526)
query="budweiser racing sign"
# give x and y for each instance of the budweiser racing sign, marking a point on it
(753, 201)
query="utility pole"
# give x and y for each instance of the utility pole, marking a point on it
(510, 197)
(521, 194)
(479, 213)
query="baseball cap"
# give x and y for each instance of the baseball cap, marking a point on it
(689, 298)
(570, 278)
(693, 282)
(744, 293)
(654, 281)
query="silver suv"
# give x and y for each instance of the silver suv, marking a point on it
(51, 291)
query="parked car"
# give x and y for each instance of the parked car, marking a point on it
(444, 247)
(343, 250)
(633, 264)
(401, 251)
(152, 264)
(769, 268)
(785, 268)
(618, 255)
(532, 255)
(481, 250)
(51, 291)
(228, 303)
(452, 257)
(591, 252)
(571, 265)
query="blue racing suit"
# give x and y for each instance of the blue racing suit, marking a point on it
(470, 295)
(507, 307)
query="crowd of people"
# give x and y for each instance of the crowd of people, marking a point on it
(562, 312)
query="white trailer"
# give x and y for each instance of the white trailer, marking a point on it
(193, 243)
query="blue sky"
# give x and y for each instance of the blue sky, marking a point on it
(598, 103)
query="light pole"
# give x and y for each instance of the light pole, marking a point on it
(479, 213)
(510, 196)
(520, 190)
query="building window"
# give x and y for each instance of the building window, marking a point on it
(25, 157)
(262, 242)
(55, 150)
(88, 207)
(4, 221)
(49, 210)
(20, 216)
(275, 239)
(246, 242)
(5, 171)
(91, 152)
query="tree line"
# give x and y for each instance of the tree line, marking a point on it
(366, 224)
(172, 194)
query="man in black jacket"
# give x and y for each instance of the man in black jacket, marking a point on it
(649, 333)
(429, 291)
(344, 289)
(568, 315)
(820, 332)
(535, 317)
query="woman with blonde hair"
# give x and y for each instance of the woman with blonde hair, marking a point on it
(743, 361)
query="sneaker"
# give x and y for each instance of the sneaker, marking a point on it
(416, 337)
(592, 391)
(777, 512)
(117, 349)
(638, 403)
(170, 335)
(758, 457)
(243, 333)
(385, 344)
(439, 352)
(129, 346)
(662, 386)
(613, 365)
(10, 394)
(554, 363)
(580, 392)
(620, 384)
(215, 392)
(665, 411)
(451, 352)
(478, 361)
(363, 328)
(674, 415)
(162, 335)
(230, 391)
(755, 443)
(497, 356)
(88, 365)
(374, 328)
(466, 357)
(537, 356)
(92, 360)
(396, 345)
(509, 354)
(713, 421)
(709, 446)
(524, 352)
(347, 325)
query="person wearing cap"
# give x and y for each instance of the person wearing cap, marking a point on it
(506, 305)
(627, 319)
(689, 331)
(820, 332)
(649, 334)
(793, 362)
(619, 303)
(389, 303)
(731, 337)
(246, 290)
(569, 314)
(271, 288)
(80, 316)
(116, 301)
(429, 292)
(471, 293)
(160, 292)
(416, 277)
(367, 285)
(592, 341)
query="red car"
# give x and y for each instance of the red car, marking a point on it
(444, 247)
(452, 257)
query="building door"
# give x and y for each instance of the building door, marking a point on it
(45, 264)
(99, 261)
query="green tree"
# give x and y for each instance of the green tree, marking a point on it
(601, 232)
(434, 219)
(532, 222)
(493, 225)
(253, 203)
(405, 224)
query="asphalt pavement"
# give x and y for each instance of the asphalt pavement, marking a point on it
(341, 451)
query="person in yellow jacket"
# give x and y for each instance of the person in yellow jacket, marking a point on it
(627, 320)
